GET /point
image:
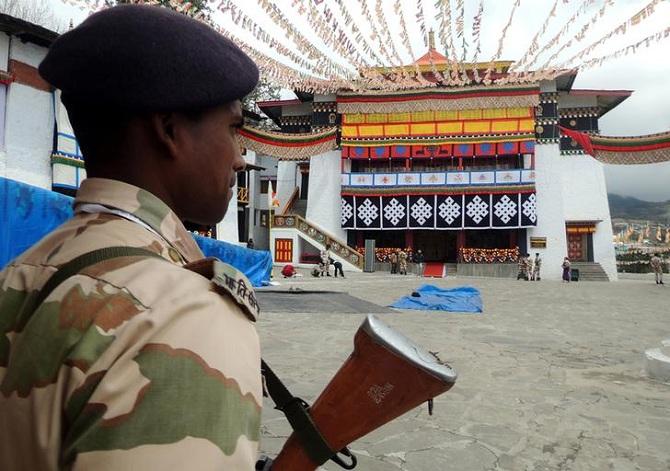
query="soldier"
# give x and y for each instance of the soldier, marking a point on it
(656, 263)
(537, 265)
(522, 264)
(135, 361)
(325, 261)
(402, 262)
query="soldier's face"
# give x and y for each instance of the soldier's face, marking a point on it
(214, 162)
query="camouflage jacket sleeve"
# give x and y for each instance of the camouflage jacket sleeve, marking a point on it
(160, 374)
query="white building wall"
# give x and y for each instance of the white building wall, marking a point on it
(4, 51)
(28, 53)
(286, 182)
(29, 127)
(226, 229)
(585, 199)
(550, 210)
(29, 122)
(324, 193)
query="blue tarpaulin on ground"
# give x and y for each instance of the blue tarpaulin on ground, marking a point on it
(460, 299)
(28, 213)
(256, 264)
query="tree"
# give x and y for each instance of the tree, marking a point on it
(38, 12)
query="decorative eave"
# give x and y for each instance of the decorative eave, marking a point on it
(288, 146)
(633, 150)
(607, 99)
(496, 96)
(27, 31)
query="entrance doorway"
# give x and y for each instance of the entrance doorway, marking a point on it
(437, 246)
(577, 247)
(283, 250)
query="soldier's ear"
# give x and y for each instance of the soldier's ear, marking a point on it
(166, 132)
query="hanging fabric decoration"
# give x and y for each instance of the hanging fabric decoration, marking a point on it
(533, 43)
(634, 150)
(586, 4)
(621, 29)
(288, 146)
(361, 39)
(446, 37)
(580, 34)
(477, 38)
(487, 77)
(625, 51)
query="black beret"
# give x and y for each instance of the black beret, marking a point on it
(147, 58)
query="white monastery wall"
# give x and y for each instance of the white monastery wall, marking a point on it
(4, 51)
(297, 110)
(286, 182)
(29, 121)
(323, 196)
(324, 98)
(226, 229)
(585, 199)
(286, 234)
(28, 53)
(29, 125)
(550, 210)
(576, 101)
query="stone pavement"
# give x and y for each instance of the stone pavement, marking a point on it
(550, 375)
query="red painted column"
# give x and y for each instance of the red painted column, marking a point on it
(460, 243)
(409, 239)
(359, 239)
(513, 238)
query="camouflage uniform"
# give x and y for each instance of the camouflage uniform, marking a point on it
(134, 363)
(402, 262)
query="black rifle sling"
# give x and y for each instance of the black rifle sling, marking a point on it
(295, 409)
(86, 260)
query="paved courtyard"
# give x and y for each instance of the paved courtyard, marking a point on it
(550, 375)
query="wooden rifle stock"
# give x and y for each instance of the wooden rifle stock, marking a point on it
(385, 376)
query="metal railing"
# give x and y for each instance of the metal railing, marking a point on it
(337, 246)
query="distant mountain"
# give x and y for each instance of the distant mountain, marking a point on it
(629, 208)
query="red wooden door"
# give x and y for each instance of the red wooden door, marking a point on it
(576, 248)
(284, 250)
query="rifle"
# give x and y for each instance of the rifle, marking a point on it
(385, 376)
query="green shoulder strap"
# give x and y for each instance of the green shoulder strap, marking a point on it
(86, 260)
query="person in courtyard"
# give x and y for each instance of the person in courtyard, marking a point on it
(566, 270)
(419, 260)
(325, 261)
(402, 262)
(537, 265)
(338, 267)
(522, 265)
(656, 263)
(139, 357)
(288, 271)
(393, 259)
(316, 271)
(250, 243)
(530, 268)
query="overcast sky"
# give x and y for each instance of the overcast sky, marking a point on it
(646, 111)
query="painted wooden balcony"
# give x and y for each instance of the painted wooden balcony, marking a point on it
(514, 177)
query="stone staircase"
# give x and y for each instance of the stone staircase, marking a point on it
(451, 268)
(590, 271)
(318, 237)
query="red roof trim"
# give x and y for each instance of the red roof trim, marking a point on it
(435, 96)
(271, 103)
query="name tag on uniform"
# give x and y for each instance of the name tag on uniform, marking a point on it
(229, 281)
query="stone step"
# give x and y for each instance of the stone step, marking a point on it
(590, 271)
